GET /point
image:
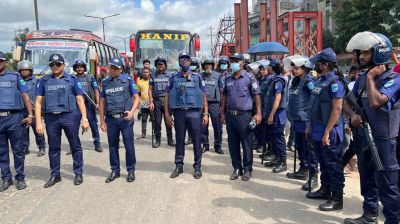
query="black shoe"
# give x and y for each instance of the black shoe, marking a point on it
(291, 148)
(176, 172)
(219, 151)
(205, 149)
(41, 152)
(314, 183)
(301, 174)
(98, 148)
(197, 174)
(78, 179)
(281, 166)
(366, 218)
(69, 152)
(20, 185)
(335, 202)
(236, 174)
(5, 185)
(113, 175)
(322, 193)
(131, 176)
(272, 163)
(171, 143)
(157, 143)
(246, 175)
(52, 181)
(259, 150)
(27, 152)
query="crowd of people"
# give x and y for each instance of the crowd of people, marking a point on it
(333, 117)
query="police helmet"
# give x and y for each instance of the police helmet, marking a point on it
(381, 46)
(247, 58)
(182, 56)
(195, 61)
(160, 59)
(298, 61)
(25, 64)
(79, 62)
(262, 64)
(207, 61)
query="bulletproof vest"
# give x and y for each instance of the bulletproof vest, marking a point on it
(86, 83)
(239, 96)
(59, 96)
(160, 80)
(118, 96)
(212, 89)
(186, 92)
(31, 84)
(10, 95)
(299, 98)
(321, 102)
(264, 86)
(384, 122)
(271, 96)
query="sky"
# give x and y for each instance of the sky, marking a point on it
(192, 15)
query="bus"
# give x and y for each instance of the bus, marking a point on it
(149, 44)
(72, 44)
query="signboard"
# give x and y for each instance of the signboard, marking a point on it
(56, 45)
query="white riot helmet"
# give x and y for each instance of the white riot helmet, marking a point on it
(297, 60)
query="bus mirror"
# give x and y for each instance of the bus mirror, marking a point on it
(17, 52)
(92, 53)
(132, 45)
(197, 43)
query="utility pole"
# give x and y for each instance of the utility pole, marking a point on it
(211, 39)
(124, 38)
(102, 21)
(36, 14)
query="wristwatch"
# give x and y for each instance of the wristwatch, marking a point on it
(86, 120)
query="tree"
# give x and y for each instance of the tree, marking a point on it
(329, 39)
(380, 16)
(20, 34)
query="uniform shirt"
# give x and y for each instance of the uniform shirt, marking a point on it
(132, 86)
(76, 87)
(21, 84)
(336, 91)
(193, 75)
(244, 79)
(280, 114)
(143, 88)
(300, 126)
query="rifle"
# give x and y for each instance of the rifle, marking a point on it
(152, 128)
(377, 164)
(309, 145)
(91, 102)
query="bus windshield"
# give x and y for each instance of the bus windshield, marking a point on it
(39, 51)
(152, 45)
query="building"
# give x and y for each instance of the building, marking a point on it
(328, 7)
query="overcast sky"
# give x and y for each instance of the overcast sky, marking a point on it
(192, 15)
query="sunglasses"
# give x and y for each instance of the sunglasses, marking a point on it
(113, 67)
(1, 60)
(55, 64)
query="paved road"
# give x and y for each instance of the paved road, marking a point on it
(155, 198)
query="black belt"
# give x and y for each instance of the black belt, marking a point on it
(187, 109)
(117, 115)
(7, 113)
(237, 112)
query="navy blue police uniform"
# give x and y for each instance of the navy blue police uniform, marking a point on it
(213, 85)
(11, 114)
(265, 133)
(118, 95)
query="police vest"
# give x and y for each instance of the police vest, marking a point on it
(10, 95)
(31, 84)
(212, 89)
(118, 96)
(160, 82)
(86, 83)
(264, 86)
(271, 96)
(59, 96)
(384, 122)
(321, 101)
(186, 92)
(299, 99)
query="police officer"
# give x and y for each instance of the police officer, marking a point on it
(185, 95)
(223, 67)
(275, 115)
(378, 93)
(214, 85)
(158, 82)
(14, 96)
(119, 99)
(236, 103)
(90, 94)
(299, 96)
(63, 94)
(25, 69)
(325, 129)
(195, 65)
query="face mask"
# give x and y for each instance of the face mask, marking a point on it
(235, 67)
(224, 67)
(208, 71)
(193, 68)
(318, 68)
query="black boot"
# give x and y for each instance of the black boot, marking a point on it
(157, 143)
(171, 142)
(301, 174)
(273, 162)
(366, 218)
(324, 192)
(205, 149)
(314, 183)
(335, 202)
(281, 166)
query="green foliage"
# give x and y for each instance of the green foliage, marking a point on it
(21, 34)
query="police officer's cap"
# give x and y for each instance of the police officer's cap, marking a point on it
(117, 62)
(237, 56)
(2, 56)
(56, 58)
(184, 55)
(327, 55)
